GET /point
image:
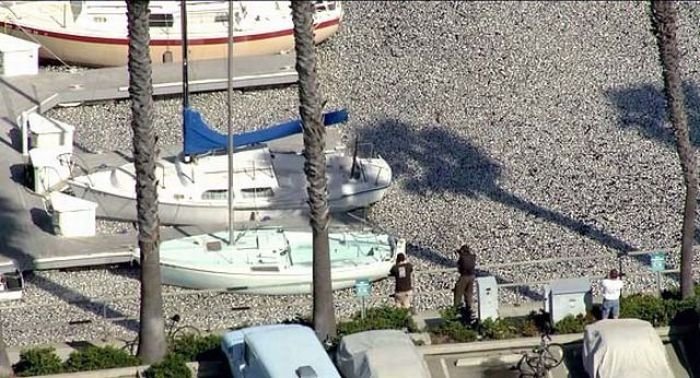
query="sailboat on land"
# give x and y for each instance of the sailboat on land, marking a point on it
(271, 260)
(274, 260)
(269, 185)
(93, 33)
(193, 190)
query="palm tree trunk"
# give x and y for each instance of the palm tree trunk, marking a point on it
(314, 167)
(5, 365)
(152, 345)
(664, 17)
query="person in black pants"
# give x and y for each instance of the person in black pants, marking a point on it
(401, 271)
(464, 289)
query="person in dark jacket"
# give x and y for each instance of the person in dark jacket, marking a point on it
(401, 271)
(466, 265)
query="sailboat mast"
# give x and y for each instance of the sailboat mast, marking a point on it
(185, 87)
(230, 123)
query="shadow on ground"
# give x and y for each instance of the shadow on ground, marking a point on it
(643, 108)
(434, 161)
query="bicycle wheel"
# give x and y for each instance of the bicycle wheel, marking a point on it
(130, 346)
(185, 331)
(534, 362)
(525, 365)
(552, 356)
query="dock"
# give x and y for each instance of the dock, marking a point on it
(26, 234)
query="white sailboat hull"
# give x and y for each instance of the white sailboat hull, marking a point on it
(115, 207)
(288, 283)
(267, 186)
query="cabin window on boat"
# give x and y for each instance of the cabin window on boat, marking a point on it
(214, 246)
(325, 6)
(257, 192)
(217, 194)
(223, 17)
(160, 20)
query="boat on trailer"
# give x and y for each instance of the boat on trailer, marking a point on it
(94, 33)
(274, 260)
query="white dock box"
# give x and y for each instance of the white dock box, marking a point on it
(72, 217)
(49, 133)
(487, 289)
(50, 167)
(568, 297)
(18, 57)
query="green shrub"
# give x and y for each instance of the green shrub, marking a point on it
(38, 361)
(573, 324)
(500, 329)
(97, 358)
(193, 347)
(683, 312)
(450, 313)
(646, 307)
(451, 331)
(378, 318)
(173, 366)
(529, 327)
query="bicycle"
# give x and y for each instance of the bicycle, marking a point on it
(542, 358)
(173, 335)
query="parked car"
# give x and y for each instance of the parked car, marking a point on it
(277, 351)
(380, 354)
(624, 348)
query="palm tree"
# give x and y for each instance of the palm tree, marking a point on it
(5, 365)
(314, 167)
(664, 17)
(152, 345)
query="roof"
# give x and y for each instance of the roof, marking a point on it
(9, 43)
(283, 349)
(570, 286)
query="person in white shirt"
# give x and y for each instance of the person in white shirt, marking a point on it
(612, 287)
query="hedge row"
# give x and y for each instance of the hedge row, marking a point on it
(43, 361)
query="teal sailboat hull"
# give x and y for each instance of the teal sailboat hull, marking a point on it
(274, 261)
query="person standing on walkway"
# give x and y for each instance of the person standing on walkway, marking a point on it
(612, 288)
(464, 289)
(401, 271)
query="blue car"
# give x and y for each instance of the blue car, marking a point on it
(277, 351)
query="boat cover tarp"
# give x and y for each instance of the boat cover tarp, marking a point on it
(380, 354)
(624, 348)
(200, 138)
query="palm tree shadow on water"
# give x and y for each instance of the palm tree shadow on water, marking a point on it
(436, 161)
(643, 108)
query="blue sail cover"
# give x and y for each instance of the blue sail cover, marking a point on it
(200, 138)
